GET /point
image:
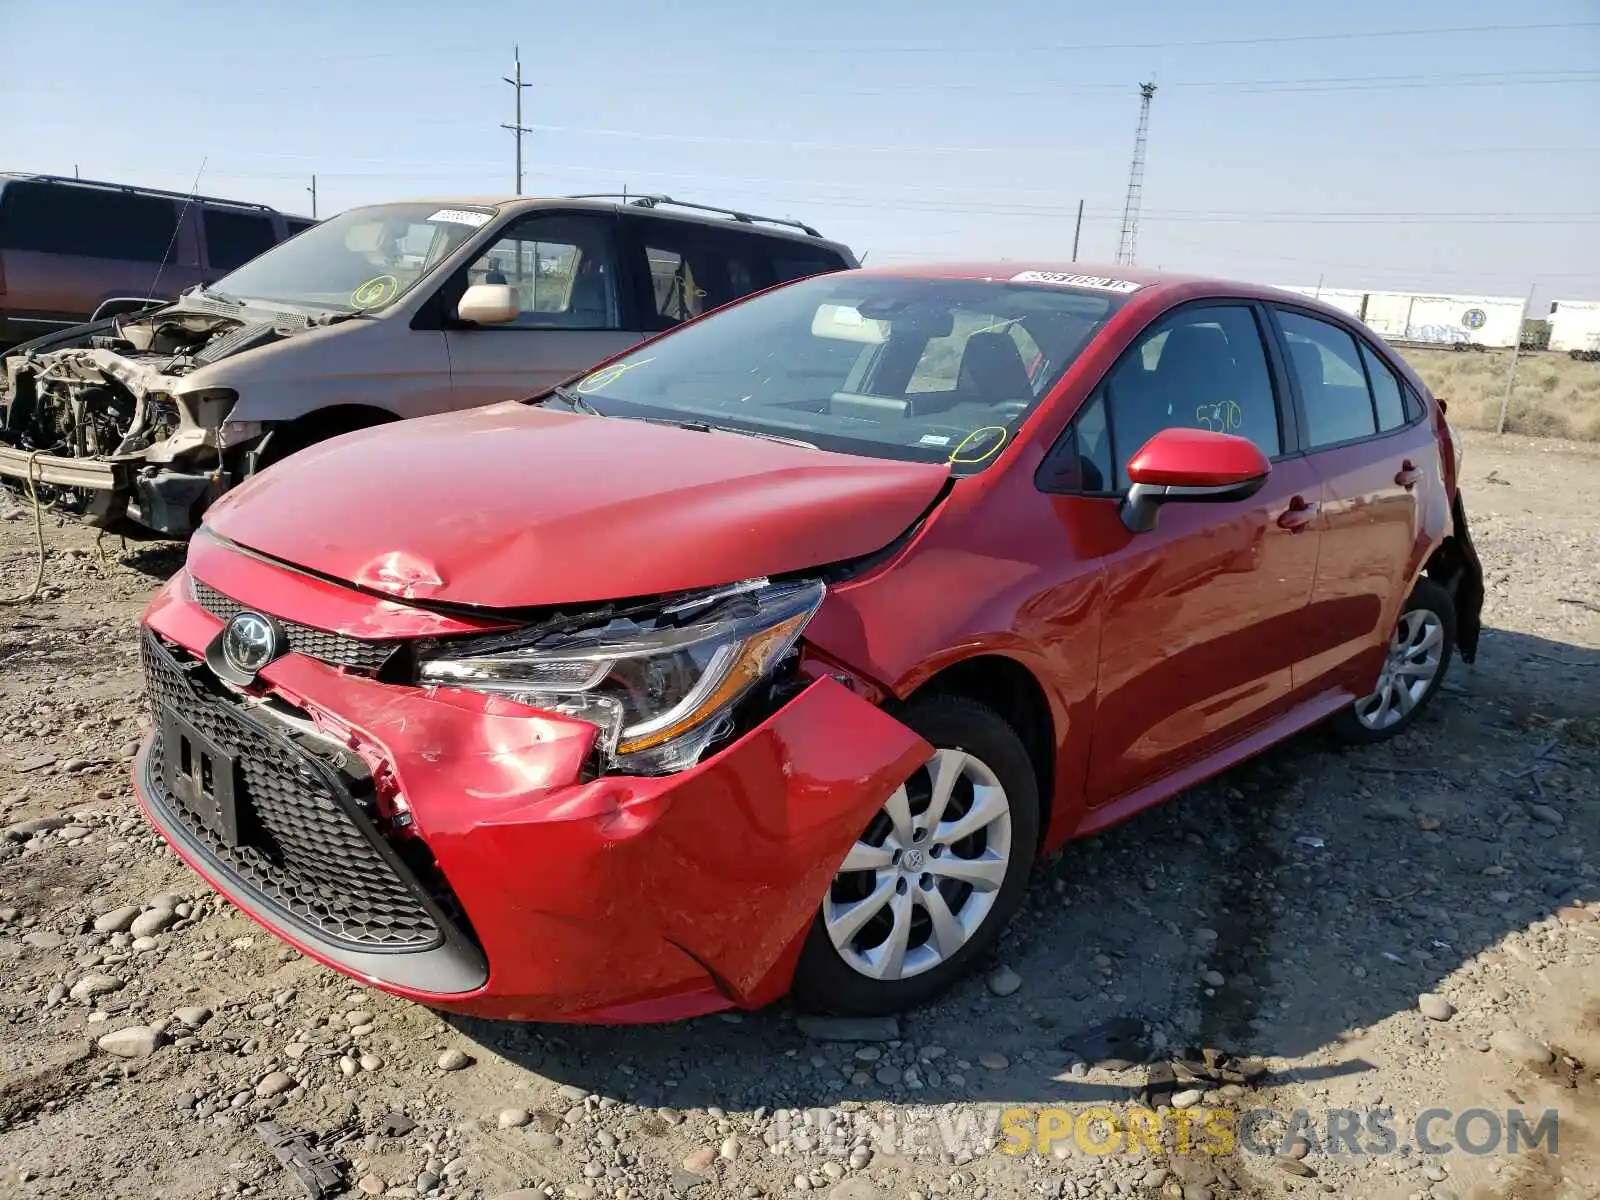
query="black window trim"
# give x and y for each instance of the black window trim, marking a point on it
(1289, 424)
(1377, 347)
(436, 312)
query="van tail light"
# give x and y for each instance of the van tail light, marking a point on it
(1444, 405)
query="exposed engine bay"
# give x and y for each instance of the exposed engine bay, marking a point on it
(111, 396)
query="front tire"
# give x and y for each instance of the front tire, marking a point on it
(1420, 650)
(930, 883)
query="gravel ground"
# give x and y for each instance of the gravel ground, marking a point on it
(1404, 928)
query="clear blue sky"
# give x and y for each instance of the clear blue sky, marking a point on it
(912, 129)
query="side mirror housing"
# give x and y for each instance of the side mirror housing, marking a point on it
(488, 304)
(1190, 465)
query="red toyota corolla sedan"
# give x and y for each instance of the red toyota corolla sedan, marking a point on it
(769, 655)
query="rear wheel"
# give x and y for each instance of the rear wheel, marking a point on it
(1419, 654)
(936, 874)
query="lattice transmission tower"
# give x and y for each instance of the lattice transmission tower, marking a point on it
(1128, 244)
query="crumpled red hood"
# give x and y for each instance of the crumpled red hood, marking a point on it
(513, 506)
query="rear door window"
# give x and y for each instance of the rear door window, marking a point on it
(1386, 397)
(562, 268)
(234, 238)
(56, 218)
(693, 270)
(1327, 370)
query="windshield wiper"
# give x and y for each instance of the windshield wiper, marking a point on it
(705, 427)
(221, 297)
(576, 402)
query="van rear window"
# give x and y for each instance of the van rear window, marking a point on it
(234, 238)
(57, 218)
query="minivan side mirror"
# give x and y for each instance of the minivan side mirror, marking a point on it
(1190, 464)
(488, 304)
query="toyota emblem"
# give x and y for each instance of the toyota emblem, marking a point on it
(249, 642)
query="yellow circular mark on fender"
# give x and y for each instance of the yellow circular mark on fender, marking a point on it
(955, 455)
(606, 376)
(380, 289)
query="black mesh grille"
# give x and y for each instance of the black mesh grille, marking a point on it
(332, 648)
(305, 847)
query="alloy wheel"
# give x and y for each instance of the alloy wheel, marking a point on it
(925, 875)
(1415, 653)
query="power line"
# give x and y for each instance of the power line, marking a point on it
(1444, 79)
(1271, 40)
(868, 47)
(910, 200)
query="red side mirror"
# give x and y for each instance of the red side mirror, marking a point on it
(1190, 464)
(1197, 458)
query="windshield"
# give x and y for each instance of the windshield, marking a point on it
(361, 259)
(927, 370)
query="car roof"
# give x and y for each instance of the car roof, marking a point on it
(131, 189)
(1174, 285)
(656, 207)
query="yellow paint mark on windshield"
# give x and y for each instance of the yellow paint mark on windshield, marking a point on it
(606, 376)
(1001, 430)
(380, 289)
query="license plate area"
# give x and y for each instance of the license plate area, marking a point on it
(201, 776)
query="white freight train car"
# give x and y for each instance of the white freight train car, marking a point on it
(1346, 300)
(1575, 325)
(1426, 318)
(1445, 320)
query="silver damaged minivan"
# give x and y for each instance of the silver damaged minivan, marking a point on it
(380, 313)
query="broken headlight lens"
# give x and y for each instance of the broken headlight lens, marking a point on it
(660, 689)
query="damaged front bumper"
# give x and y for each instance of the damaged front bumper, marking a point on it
(110, 413)
(162, 499)
(467, 858)
(32, 467)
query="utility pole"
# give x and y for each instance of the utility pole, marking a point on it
(313, 190)
(1516, 352)
(518, 129)
(1077, 230)
(1127, 245)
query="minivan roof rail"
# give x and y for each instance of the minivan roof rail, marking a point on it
(656, 201)
(134, 189)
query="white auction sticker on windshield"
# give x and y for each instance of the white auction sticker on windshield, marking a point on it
(461, 216)
(1062, 279)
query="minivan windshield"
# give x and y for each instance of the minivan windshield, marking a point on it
(925, 370)
(362, 259)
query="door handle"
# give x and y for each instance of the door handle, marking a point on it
(1409, 476)
(1297, 516)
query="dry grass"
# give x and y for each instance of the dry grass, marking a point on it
(1554, 397)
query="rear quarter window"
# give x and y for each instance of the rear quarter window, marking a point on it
(234, 238)
(786, 266)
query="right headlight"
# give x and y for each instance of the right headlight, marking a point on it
(659, 689)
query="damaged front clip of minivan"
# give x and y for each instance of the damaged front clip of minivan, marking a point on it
(122, 418)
